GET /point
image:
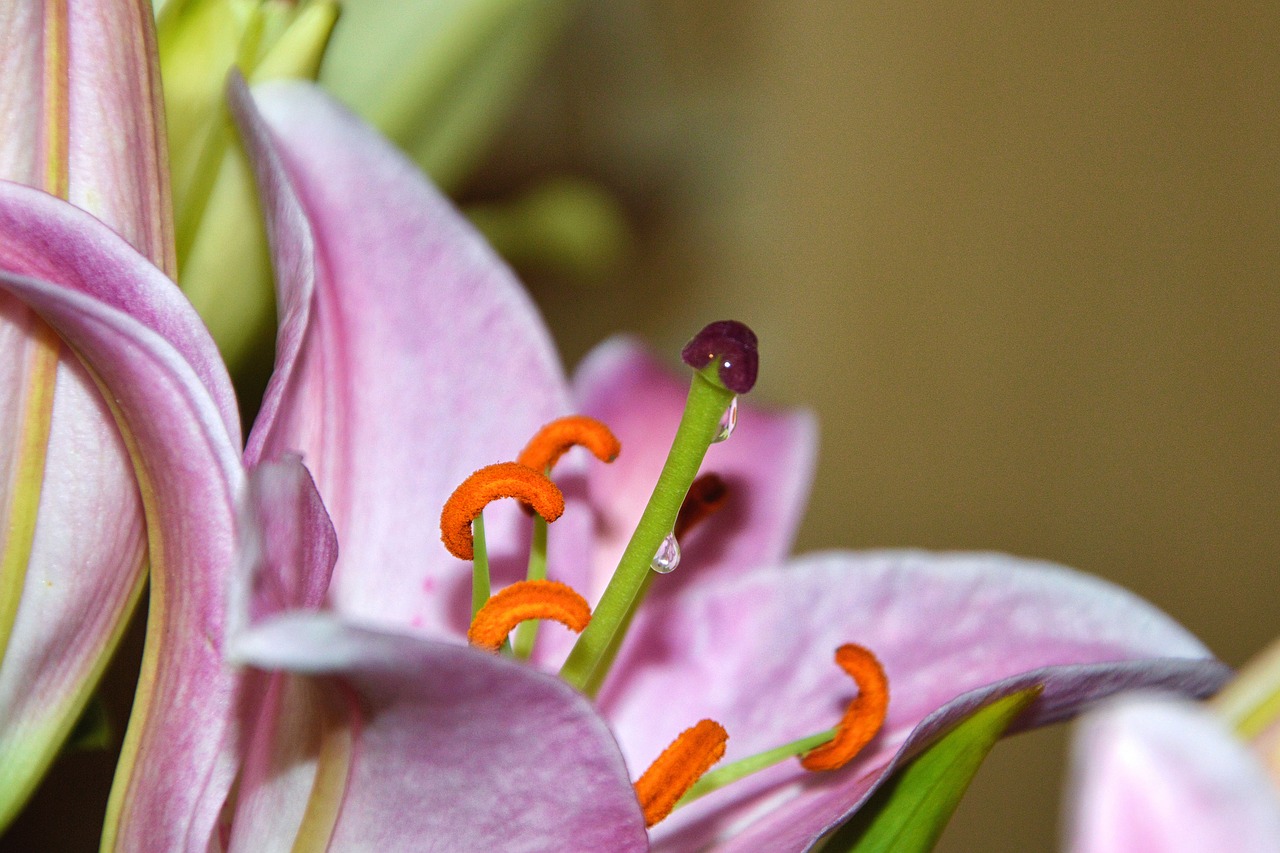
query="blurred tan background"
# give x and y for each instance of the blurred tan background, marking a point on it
(1021, 259)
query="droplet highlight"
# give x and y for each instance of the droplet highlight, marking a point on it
(668, 556)
(728, 422)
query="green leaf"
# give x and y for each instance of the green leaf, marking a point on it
(93, 730)
(908, 813)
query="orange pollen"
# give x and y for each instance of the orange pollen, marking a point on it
(504, 480)
(527, 600)
(864, 716)
(556, 438)
(707, 496)
(690, 755)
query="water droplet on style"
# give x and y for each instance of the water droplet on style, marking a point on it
(728, 421)
(668, 556)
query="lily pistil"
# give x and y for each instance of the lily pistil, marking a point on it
(724, 358)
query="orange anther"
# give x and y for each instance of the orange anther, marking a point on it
(527, 600)
(707, 496)
(554, 440)
(680, 765)
(504, 480)
(864, 716)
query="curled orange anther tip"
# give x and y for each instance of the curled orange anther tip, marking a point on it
(707, 495)
(527, 600)
(556, 438)
(864, 716)
(681, 764)
(504, 480)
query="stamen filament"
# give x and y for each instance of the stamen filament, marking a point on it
(707, 496)
(527, 632)
(829, 750)
(678, 767)
(527, 600)
(541, 454)
(744, 767)
(699, 424)
(479, 566)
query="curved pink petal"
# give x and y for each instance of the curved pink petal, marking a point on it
(408, 357)
(457, 748)
(80, 117)
(767, 463)
(86, 561)
(287, 548)
(287, 545)
(42, 237)
(177, 766)
(952, 630)
(1162, 776)
(83, 574)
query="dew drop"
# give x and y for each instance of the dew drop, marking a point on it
(668, 556)
(728, 421)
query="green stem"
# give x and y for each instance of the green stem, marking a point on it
(698, 428)
(593, 683)
(527, 632)
(479, 567)
(744, 767)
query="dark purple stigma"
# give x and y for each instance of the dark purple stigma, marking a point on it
(731, 345)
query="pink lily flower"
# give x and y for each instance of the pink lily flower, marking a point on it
(407, 358)
(1155, 774)
(81, 121)
(1159, 774)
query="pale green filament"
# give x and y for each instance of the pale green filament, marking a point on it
(744, 767)
(589, 661)
(479, 567)
(527, 632)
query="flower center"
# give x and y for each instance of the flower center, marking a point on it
(724, 356)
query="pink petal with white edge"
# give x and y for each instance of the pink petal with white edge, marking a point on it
(177, 765)
(457, 748)
(767, 464)
(408, 357)
(953, 631)
(1157, 775)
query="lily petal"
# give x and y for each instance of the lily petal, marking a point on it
(768, 465)
(287, 545)
(408, 357)
(81, 573)
(518, 759)
(299, 750)
(1163, 776)
(953, 632)
(177, 768)
(81, 114)
(73, 556)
